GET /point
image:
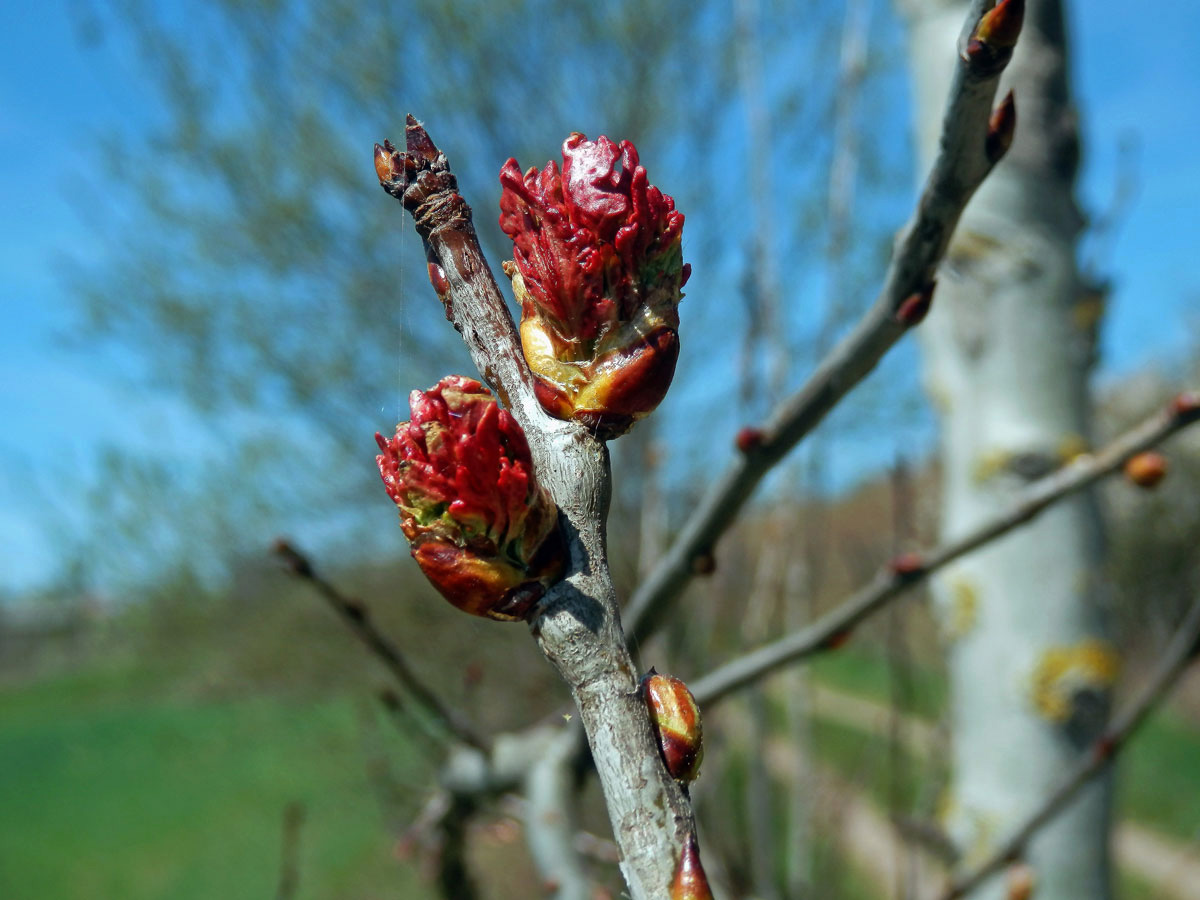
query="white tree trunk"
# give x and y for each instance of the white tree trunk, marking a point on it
(1007, 350)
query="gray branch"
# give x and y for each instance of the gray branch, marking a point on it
(910, 569)
(961, 166)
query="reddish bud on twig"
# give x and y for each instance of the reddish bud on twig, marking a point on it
(838, 639)
(598, 270)
(749, 439)
(704, 564)
(1001, 127)
(1186, 407)
(389, 166)
(1000, 26)
(1147, 469)
(437, 278)
(907, 565)
(1105, 747)
(913, 308)
(676, 721)
(690, 882)
(482, 530)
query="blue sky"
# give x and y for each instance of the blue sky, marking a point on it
(57, 404)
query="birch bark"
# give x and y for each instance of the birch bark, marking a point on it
(1007, 350)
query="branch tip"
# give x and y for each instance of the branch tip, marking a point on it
(990, 46)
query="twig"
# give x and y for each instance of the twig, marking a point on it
(357, 618)
(439, 834)
(289, 860)
(1179, 654)
(577, 624)
(962, 164)
(909, 569)
(550, 821)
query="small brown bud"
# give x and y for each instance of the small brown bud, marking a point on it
(690, 882)
(838, 639)
(387, 164)
(913, 308)
(676, 720)
(1147, 469)
(704, 564)
(749, 439)
(1021, 881)
(1001, 127)
(437, 277)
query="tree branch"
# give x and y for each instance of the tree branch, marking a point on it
(358, 620)
(577, 624)
(910, 569)
(963, 162)
(1178, 656)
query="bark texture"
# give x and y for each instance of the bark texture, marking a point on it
(1008, 348)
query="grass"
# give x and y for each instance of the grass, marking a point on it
(128, 781)
(866, 673)
(110, 786)
(1159, 772)
(1158, 779)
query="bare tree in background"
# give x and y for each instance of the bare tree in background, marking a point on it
(1008, 351)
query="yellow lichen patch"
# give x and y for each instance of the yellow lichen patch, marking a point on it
(1071, 447)
(945, 807)
(964, 608)
(989, 464)
(939, 396)
(1086, 314)
(1064, 671)
(984, 829)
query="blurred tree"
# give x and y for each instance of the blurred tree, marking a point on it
(1008, 350)
(249, 270)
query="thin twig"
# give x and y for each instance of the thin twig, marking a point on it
(358, 619)
(1178, 656)
(961, 166)
(909, 569)
(289, 859)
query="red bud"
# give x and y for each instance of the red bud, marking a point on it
(1001, 127)
(1186, 406)
(907, 565)
(749, 439)
(839, 639)
(690, 882)
(676, 720)
(1000, 26)
(913, 308)
(481, 528)
(598, 271)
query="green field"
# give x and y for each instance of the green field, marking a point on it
(133, 782)
(111, 786)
